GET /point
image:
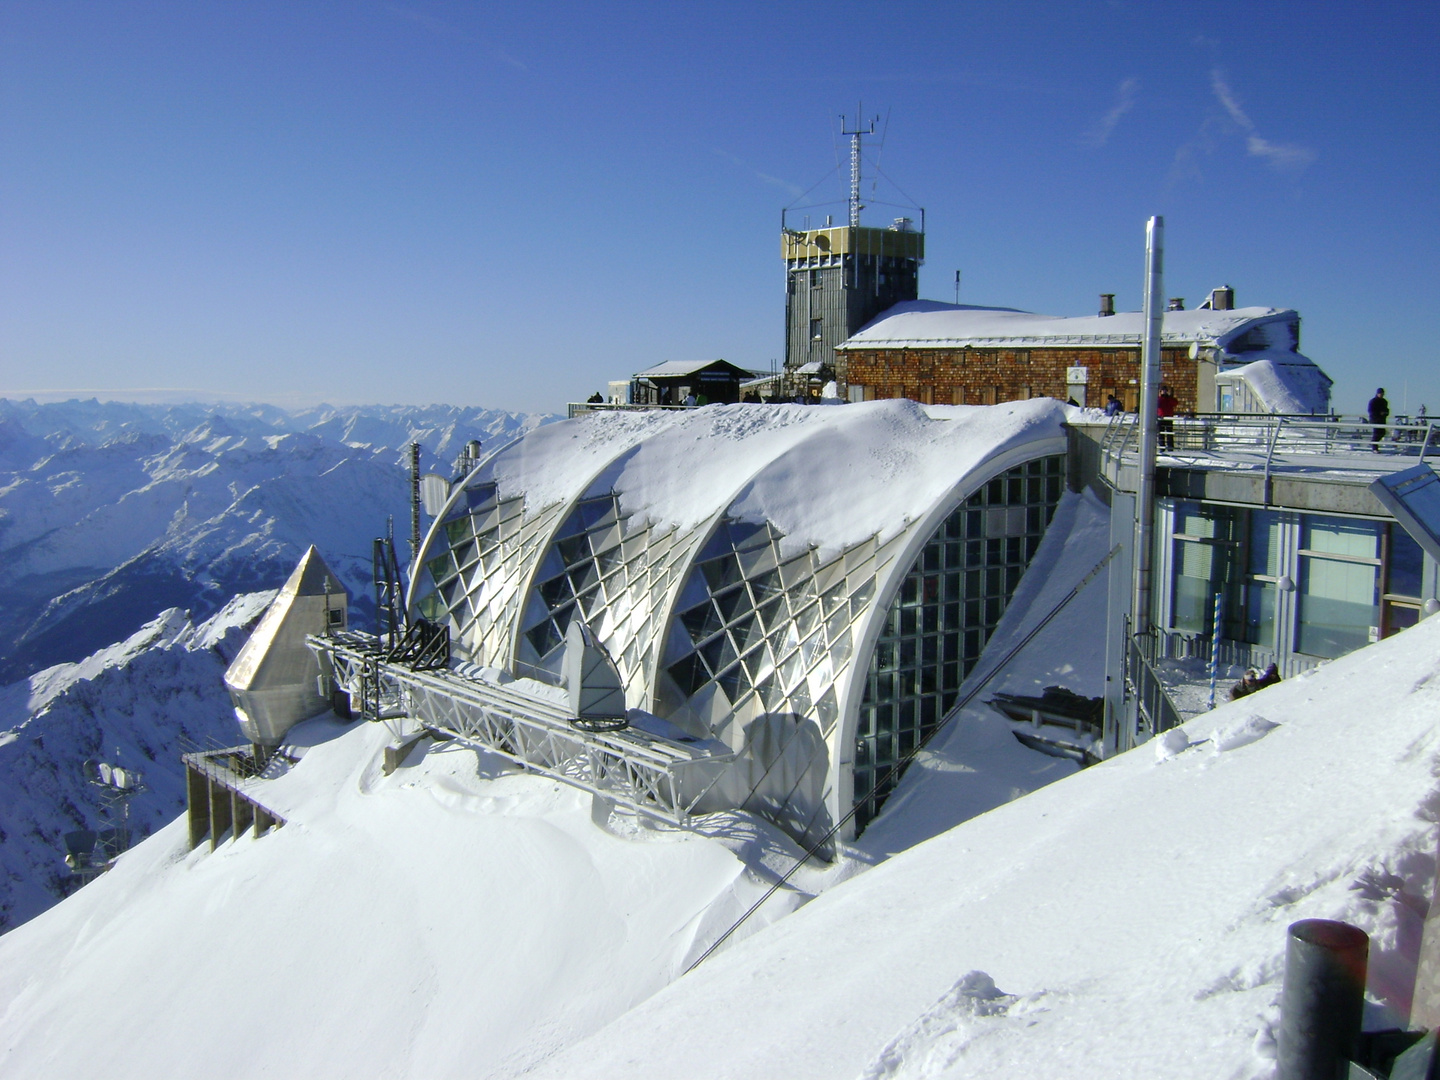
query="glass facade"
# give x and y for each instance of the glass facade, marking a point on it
(616, 575)
(1309, 584)
(475, 580)
(758, 632)
(939, 623)
(1206, 548)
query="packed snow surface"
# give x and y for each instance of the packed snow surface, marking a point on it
(1128, 921)
(447, 920)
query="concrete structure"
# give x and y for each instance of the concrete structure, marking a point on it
(839, 278)
(275, 681)
(1278, 517)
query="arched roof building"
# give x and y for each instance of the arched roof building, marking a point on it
(808, 586)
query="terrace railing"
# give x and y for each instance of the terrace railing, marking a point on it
(1269, 440)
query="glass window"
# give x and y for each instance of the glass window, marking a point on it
(1338, 606)
(1206, 543)
(935, 632)
(1406, 563)
(1341, 536)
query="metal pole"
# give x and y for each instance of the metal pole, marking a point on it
(1149, 392)
(1322, 999)
(1214, 649)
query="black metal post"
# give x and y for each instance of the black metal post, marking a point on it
(1322, 999)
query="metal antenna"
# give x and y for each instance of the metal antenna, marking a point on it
(414, 501)
(855, 137)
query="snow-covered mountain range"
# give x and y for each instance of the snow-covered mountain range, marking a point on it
(111, 513)
(138, 703)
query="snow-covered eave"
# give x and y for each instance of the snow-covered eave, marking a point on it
(1197, 327)
(1027, 341)
(1284, 381)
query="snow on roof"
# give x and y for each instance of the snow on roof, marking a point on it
(824, 475)
(675, 368)
(918, 324)
(1284, 382)
(1048, 935)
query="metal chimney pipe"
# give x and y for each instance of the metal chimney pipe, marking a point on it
(1149, 392)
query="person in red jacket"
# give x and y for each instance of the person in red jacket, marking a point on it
(1165, 406)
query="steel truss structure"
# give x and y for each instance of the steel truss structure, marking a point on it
(648, 774)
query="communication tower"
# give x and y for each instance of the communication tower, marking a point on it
(839, 277)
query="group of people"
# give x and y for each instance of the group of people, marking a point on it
(1255, 679)
(1166, 405)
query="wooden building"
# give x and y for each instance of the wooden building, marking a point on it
(948, 354)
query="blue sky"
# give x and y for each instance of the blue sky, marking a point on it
(508, 205)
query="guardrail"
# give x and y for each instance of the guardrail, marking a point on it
(575, 408)
(1273, 436)
(1156, 645)
(1155, 712)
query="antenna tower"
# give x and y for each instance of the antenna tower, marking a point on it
(855, 137)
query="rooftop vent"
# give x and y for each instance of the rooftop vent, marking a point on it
(1107, 304)
(1221, 299)
(901, 224)
(1177, 303)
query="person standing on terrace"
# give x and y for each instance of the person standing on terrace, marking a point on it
(1379, 410)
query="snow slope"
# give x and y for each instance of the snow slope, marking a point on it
(1128, 921)
(110, 513)
(447, 920)
(134, 703)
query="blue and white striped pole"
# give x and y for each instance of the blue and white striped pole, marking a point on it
(1215, 649)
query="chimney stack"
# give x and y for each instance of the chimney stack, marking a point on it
(1177, 303)
(1107, 304)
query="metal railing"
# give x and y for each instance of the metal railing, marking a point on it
(1157, 644)
(576, 408)
(649, 774)
(1270, 438)
(1155, 712)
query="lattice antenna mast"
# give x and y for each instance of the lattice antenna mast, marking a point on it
(855, 137)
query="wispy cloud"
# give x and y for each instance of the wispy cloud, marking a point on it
(1280, 155)
(794, 189)
(1100, 134)
(1226, 97)
(1283, 157)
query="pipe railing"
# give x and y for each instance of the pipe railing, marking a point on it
(1272, 439)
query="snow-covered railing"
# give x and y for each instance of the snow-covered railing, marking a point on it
(649, 774)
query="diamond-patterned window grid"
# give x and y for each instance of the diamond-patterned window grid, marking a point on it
(473, 581)
(940, 621)
(758, 632)
(616, 578)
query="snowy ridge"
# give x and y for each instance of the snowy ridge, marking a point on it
(110, 513)
(131, 703)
